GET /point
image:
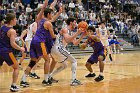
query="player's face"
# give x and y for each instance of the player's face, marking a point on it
(102, 25)
(14, 21)
(89, 32)
(74, 24)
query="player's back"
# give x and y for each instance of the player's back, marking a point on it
(42, 35)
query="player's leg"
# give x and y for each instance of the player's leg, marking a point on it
(92, 59)
(11, 61)
(101, 67)
(73, 69)
(46, 57)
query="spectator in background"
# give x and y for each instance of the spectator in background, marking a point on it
(71, 6)
(28, 9)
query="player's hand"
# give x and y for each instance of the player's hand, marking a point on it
(84, 33)
(82, 46)
(22, 49)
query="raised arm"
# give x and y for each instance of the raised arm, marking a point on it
(53, 4)
(39, 16)
(57, 15)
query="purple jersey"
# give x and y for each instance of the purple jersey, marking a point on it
(98, 51)
(97, 46)
(42, 35)
(5, 45)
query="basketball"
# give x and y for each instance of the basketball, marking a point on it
(83, 25)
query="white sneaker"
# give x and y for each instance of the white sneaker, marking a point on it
(76, 82)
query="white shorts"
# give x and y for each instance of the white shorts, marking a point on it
(60, 54)
(105, 42)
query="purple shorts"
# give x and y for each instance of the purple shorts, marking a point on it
(94, 57)
(37, 49)
(9, 58)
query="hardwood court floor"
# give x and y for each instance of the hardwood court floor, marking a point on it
(121, 76)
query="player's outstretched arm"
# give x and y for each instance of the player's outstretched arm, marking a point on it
(53, 4)
(57, 14)
(39, 16)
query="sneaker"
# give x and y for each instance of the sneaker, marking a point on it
(24, 84)
(47, 83)
(34, 75)
(14, 88)
(91, 75)
(76, 82)
(53, 80)
(110, 57)
(99, 78)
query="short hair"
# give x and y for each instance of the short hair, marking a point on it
(9, 17)
(38, 10)
(71, 19)
(91, 28)
(102, 22)
(47, 11)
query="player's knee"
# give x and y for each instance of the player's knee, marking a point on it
(32, 64)
(100, 58)
(87, 65)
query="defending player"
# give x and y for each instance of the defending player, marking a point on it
(98, 55)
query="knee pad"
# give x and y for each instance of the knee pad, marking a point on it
(32, 64)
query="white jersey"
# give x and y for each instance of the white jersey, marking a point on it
(103, 33)
(30, 33)
(58, 51)
(103, 36)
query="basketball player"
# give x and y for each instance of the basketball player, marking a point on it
(103, 34)
(38, 48)
(7, 42)
(22, 37)
(98, 55)
(26, 36)
(59, 52)
(32, 31)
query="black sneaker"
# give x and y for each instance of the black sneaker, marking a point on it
(110, 57)
(24, 84)
(91, 75)
(34, 75)
(99, 78)
(14, 88)
(53, 80)
(47, 83)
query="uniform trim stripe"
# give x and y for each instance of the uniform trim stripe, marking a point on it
(43, 47)
(11, 55)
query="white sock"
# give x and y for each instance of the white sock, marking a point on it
(91, 72)
(14, 84)
(33, 72)
(24, 77)
(73, 68)
(46, 76)
(101, 73)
